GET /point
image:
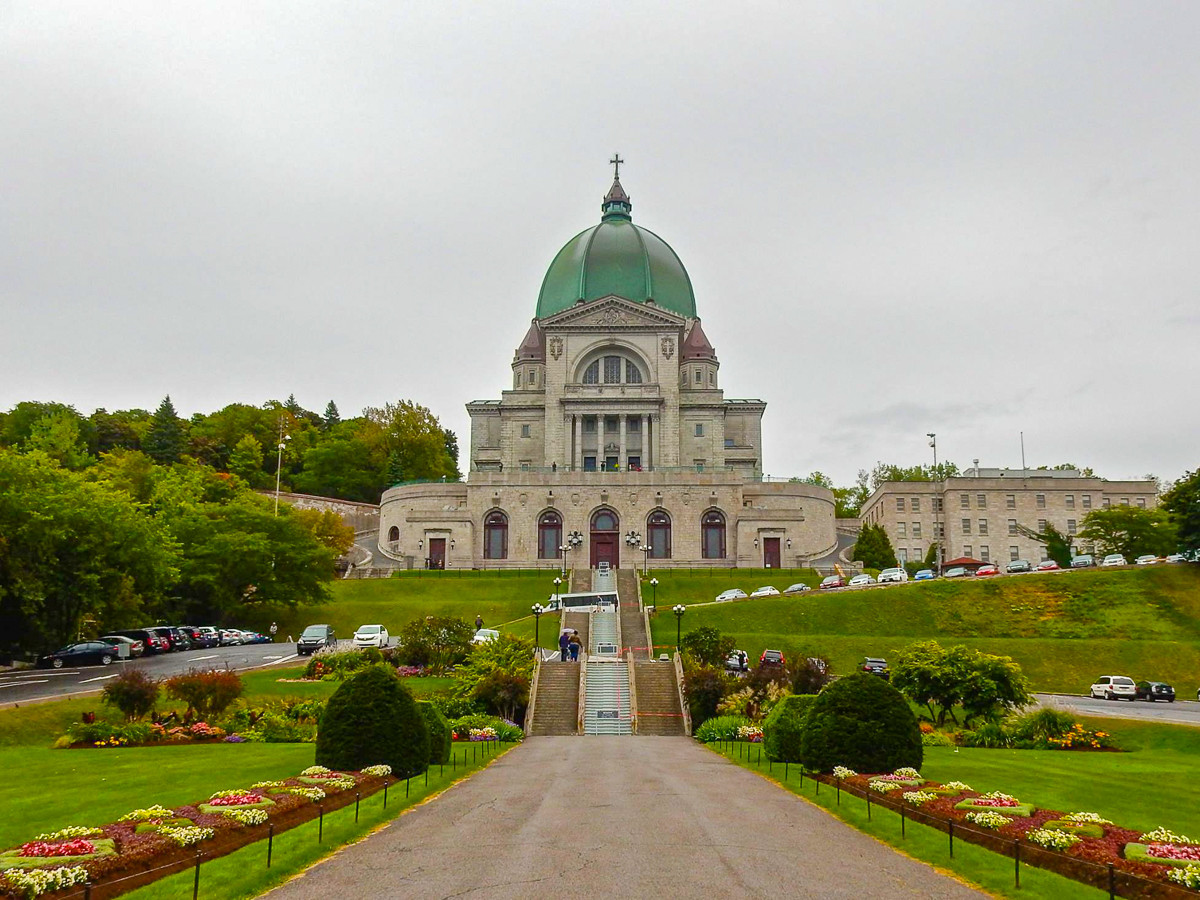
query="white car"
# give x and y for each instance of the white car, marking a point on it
(1176, 558)
(766, 591)
(1114, 687)
(731, 594)
(860, 580)
(371, 636)
(484, 635)
(1147, 559)
(1114, 559)
(797, 588)
(897, 575)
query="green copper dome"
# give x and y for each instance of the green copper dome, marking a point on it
(616, 257)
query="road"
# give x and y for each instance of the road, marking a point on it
(618, 817)
(27, 685)
(1181, 712)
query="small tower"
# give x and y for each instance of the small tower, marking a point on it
(697, 361)
(529, 362)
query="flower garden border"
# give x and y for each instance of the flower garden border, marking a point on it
(138, 873)
(1105, 877)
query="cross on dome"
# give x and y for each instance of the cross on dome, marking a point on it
(615, 162)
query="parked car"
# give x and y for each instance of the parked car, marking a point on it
(1083, 561)
(766, 590)
(1114, 687)
(924, 575)
(737, 661)
(894, 575)
(230, 637)
(198, 639)
(1047, 565)
(1018, 565)
(153, 642)
(84, 653)
(986, 571)
(873, 665)
(1176, 558)
(731, 594)
(371, 636)
(797, 588)
(314, 638)
(136, 647)
(833, 581)
(956, 572)
(1146, 559)
(1114, 559)
(860, 580)
(210, 635)
(256, 637)
(175, 640)
(772, 658)
(484, 636)
(1155, 690)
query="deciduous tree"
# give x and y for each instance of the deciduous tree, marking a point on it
(1130, 531)
(1182, 503)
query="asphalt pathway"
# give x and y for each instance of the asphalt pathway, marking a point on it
(1181, 712)
(623, 817)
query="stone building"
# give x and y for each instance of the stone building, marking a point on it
(615, 437)
(980, 510)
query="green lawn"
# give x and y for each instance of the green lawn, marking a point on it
(1063, 629)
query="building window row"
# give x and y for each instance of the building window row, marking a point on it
(550, 533)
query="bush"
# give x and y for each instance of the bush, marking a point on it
(371, 720)
(862, 722)
(704, 687)
(1040, 725)
(936, 739)
(811, 674)
(720, 728)
(133, 692)
(338, 665)
(504, 693)
(992, 735)
(440, 737)
(505, 731)
(206, 692)
(437, 642)
(707, 646)
(456, 707)
(784, 727)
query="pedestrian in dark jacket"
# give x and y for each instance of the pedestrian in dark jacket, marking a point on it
(564, 645)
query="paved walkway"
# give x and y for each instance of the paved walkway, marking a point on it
(621, 817)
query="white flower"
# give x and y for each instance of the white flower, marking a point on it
(316, 770)
(267, 784)
(41, 881)
(1161, 835)
(150, 812)
(1188, 876)
(957, 786)
(916, 798)
(187, 834)
(1087, 818)
(997, 795)
(377, 771)
(988, 819)
(68, 833)
(907, 772)
(1055, 840)
(843, 772)
(246, 816)
(884, 786)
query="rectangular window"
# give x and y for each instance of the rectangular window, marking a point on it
(524, 431)
(589, 464)
(532, 377)
(985, 553)
(633, 424)
(1010, 501)
(916, 504)
(1070, 498)
(1012, 526)
(1014, 553)
(633, 375)
(1141, 502)
(699, 376)
(611, 424)
(901, 529)
(1041, 526)
(1106, 503)
(899, 504)
(939, 530)
(1071, 526)
(916, 529)
(968, 550)
(1124, 501)
(518, 379)
(902, 556)
(612, 370)
(1087, 501)
(728, 443)
(981, 501)
(635, 463)
(983, 526)
(589, 424)
(938, 504)
(1041, 501)
(699, 430)
(964, 501)
(966, 526)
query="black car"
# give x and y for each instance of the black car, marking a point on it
(1154, 690)
(1018, 565)
(873, 665)
(176, 639)
(152, 641)
(84, 653)
(314, 638)
(199, 639)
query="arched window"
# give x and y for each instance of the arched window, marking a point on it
(591, 375)
(549, 535)
(495, 535)
(633, 375)
(610, 369)
(393, 534)
(604, 520)
(712, 535)
(658, 534)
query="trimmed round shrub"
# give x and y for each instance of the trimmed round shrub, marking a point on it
(371, 720)
(440, 737)
(783, 728)
(861, 722)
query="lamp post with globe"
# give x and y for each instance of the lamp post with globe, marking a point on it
(557, 585)
(538, 609)
(679, 609)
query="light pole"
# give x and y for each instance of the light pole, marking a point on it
(283, 439)
(562, 551)
(557, 584)
(679, 609)
(537, 618)
(938, 531)
(646, 560)
(654, 593)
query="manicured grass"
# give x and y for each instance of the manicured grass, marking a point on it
(991, 871)
(1064, 629)
(244, 873)
(264, 684)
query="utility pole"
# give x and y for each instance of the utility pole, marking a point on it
(938, 531)
(283, 438)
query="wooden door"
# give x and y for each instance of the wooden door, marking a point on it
(437, 553)
(771, 557)
(604, 549)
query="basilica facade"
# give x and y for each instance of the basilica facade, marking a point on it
(615, 441)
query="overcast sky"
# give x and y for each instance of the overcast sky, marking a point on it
(967, 218)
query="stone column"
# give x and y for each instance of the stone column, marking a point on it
(578, 452)
(621, 457)
(645, 451)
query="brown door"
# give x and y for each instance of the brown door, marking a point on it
(604, 549)
(437, 553)
(771, 553)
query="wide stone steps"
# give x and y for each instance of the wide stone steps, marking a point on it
(579, 622)
(556, 707)
(603, 632)
(658, 699)
(606, 704)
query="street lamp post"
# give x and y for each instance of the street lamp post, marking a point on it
(679, 609)
(654, 592)
(646, 560)
(557, 585)
(283, 439)
(562, 551)
(938, 531)
(537, 618)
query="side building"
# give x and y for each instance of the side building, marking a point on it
(979, 511)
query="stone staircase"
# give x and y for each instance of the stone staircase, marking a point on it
(580, 580)
(579, 622)
(606, 705)
(633, 623)
(556, 707)
(657, 698)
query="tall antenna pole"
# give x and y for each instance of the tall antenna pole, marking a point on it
(1022, 454)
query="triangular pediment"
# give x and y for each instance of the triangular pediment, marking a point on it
(613, 313)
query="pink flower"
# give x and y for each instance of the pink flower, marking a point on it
(1174, 851)
(77, 847)
(979, 801)
(237, 800)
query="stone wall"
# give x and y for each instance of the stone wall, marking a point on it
(359, 516)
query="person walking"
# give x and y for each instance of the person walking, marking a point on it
(274, 629)
(478, 622)
(575, 644)
(564, 645)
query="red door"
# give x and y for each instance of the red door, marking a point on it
(437, 553)
(771, 553)
(604, 549)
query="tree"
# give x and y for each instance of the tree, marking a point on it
(884, 472)
(20, 420)
(332, 417)
(811, 674)
(1130, 531)
(438, 642)
(120, 430)
(452, 451)
(1182, 503)
(707, 646)
(327, 527)
(862, 722)
(343, 465)
(783, 728)
(246, 461)
(1058, 545)
(414, 441)
(370, 720)
(704, 687)
(985, 686)
(164, 441)
(57, 435)
(874, 548)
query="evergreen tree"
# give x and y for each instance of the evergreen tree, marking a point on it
(164, 440)
(332, 417)
(292, 406)
(395, 468)
(246, 460)
(874, 548)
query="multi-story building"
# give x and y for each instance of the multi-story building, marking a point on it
(980, 511)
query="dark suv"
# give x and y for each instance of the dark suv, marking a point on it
(152, 641)
(1154, 690)
(772, 658)
(873, 665)
(200, 639)
(314, 638)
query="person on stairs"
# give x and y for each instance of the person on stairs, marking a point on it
(575, 644)
(564, 645)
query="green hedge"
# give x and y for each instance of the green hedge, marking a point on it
(784, 727)
(440, 736)
(861, 722)
(371, 720)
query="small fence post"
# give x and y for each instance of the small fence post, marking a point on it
(427, 776)
(196, 880)
(1017, 863)
(357, 797)
(1112, 882)
(320, 822)
(270, 842)
(87, 891)
(868, 804)
(950, 831)
(406, 780)
(839, 792)
(817, 780)
(901, 818)
(385, 787)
